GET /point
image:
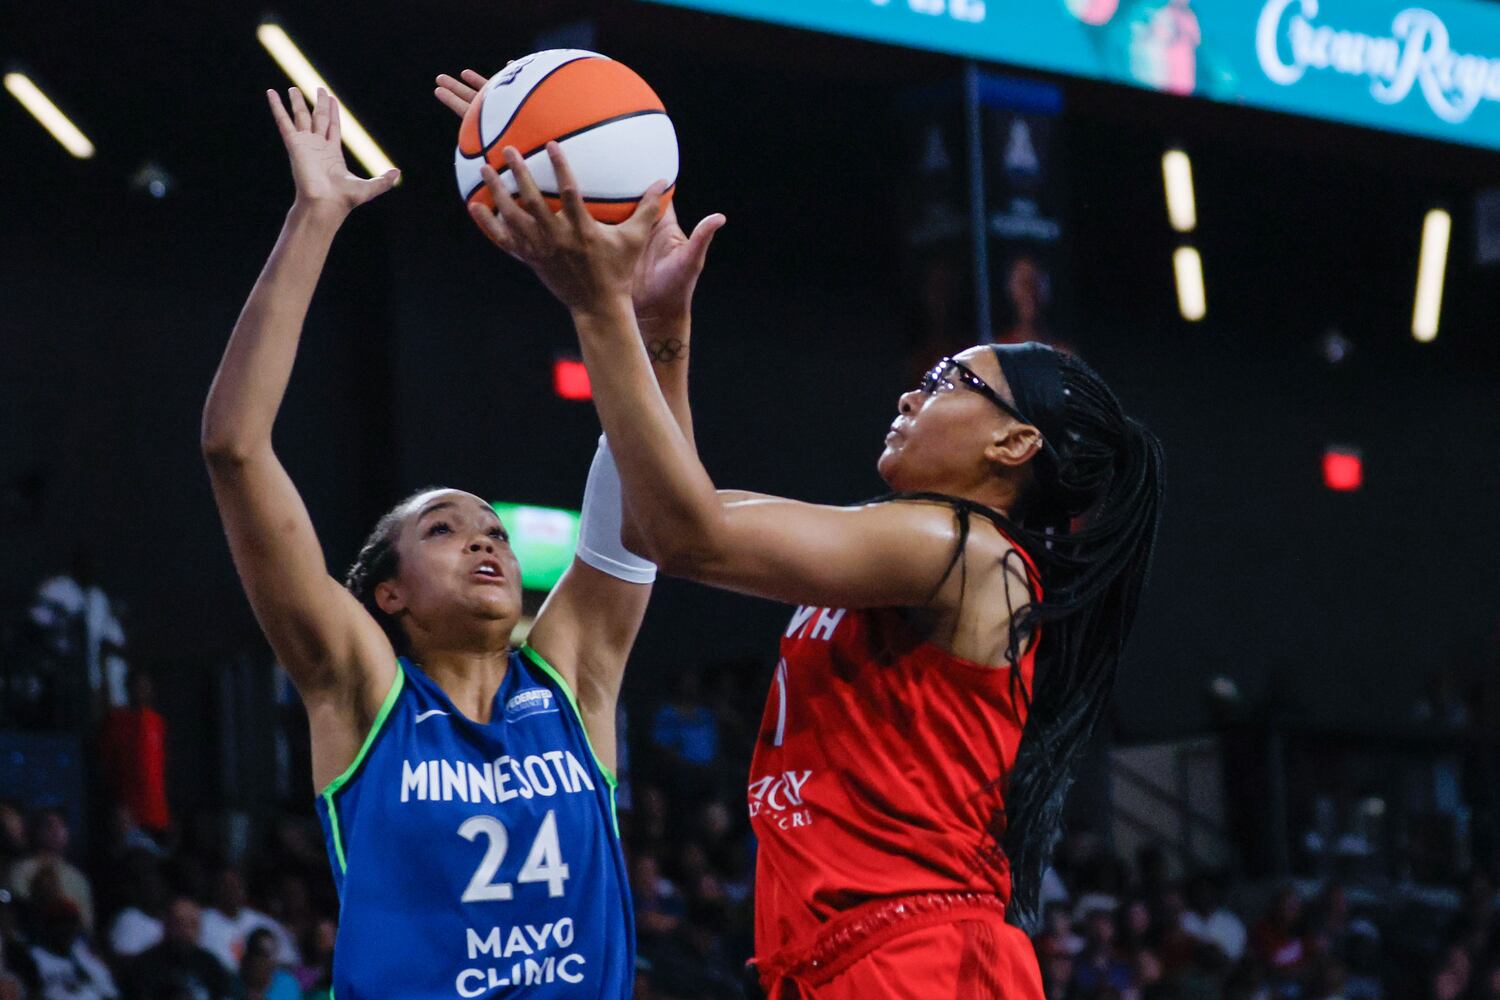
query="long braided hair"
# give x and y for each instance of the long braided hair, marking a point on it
(1089, 522)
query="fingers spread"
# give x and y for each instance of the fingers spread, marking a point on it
(300, 114)
(452, 101)
(647, 212)
(377, 186)
(531, 195)
(703, 235)
(521, 225)
(335, 130)
(320, 113)
(493, 227)
(284, 123)
(567, 187)
(456, 87)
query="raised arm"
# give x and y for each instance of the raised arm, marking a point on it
(333, 650)
(589, 622)
(590, 613)
(892, 554)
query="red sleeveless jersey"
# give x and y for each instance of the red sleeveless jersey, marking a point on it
(878, 771)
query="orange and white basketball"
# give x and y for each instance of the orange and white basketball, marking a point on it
(609, 122)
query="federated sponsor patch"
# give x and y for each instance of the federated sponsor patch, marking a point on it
(532, 701)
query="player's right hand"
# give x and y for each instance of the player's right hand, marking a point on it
(588, 265)
(313, 144)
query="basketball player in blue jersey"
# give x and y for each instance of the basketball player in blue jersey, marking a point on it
(465, 787)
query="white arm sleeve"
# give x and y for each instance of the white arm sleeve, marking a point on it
(599, 542)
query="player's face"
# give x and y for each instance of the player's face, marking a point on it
(938, 439)
(456, 573)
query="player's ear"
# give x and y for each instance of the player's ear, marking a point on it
(388, 597)
(1013, 445)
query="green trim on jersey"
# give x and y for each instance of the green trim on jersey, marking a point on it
(539, 660)
(359, 758)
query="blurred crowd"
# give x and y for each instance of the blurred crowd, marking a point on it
(143, 906)
(157, 920)
(1111, 928)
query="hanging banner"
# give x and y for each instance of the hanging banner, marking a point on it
(937, 226)
(1430, 69)
(1024, 197)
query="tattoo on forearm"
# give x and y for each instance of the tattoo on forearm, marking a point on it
(668, 351)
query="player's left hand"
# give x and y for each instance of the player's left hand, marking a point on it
(589, 266)
(458, 94)
(668, 270)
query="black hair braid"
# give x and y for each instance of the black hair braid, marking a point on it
(1109, 483)
(378, 561)
(1090, 525)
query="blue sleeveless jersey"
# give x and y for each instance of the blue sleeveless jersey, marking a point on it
(479, 860)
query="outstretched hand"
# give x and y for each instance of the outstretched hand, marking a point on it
(313, 144)
(457, 94)
(589, 266)
(668, 269)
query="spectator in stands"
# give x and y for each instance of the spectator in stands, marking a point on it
(1363, 955)
(259, 973)
(81, 625)
(1276, 940)
(1207, 974)
(693, 963)
(650, 816)
(49, 841)
(12, 838)
(17, 973)
(1208, 920)
(139, 926)
(658, 905)
(685, 738)
(228, 924)
(66, 967)
(1134, 933)
(1488, 987)
(177, 966)
(126, 837)
(133, 752)
(1099, 966)
(289, 902)
(12, 986)
(1057, 936)
(315, 974)
(1057, 969)
(1450, 981)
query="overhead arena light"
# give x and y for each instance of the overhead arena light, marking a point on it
(1182, 207)
(1188, 267)
(1431, 266)
(300, 70)
(49, 114)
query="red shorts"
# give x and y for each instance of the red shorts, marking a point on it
(921, 948)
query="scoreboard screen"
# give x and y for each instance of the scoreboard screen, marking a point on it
(1429, 69)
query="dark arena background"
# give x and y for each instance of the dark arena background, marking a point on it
(1297, 790)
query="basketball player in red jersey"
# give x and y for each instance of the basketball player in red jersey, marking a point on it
(954, 645)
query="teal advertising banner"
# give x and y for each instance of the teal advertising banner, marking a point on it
(1431, 69)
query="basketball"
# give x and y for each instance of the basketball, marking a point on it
(611, 125)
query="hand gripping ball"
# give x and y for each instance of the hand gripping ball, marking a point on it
(610, 124)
